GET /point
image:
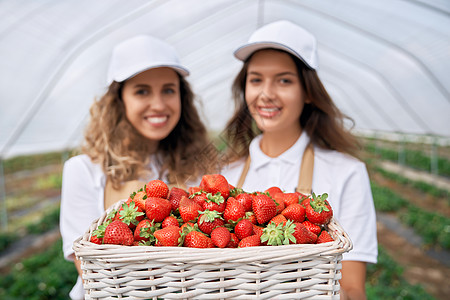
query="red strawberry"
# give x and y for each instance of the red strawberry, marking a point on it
(264, 208)
(316, 229)
(251, 216)
(193, 189)
(118, 233)
(243, 228)
(175, 195)
(170, 221)
(199, 197)
(144, 230)
(319, 211)
(279, 219)
(233, 210)
(294, 212)
(157, 188)
(273, 191)
(258, 230)
(189, 209)
(215, 183)
(234, 241)
(250, 241)
(188, 227)
(139, 198)
(130, 214)
(246, 201)
(279, 199)
(220, 237)
(196, 239)
(98, 234)
(214, 202)
(96, 240)
(297, 233)
(168, 237)
(290, 198)
(304, 200)
(157, 209)
(208, 220)
(324, 237)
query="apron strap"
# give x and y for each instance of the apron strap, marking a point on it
(306, 171)
(244, 173)
(305, 177)
(112, 195)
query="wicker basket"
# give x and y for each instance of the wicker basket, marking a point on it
(265, 272)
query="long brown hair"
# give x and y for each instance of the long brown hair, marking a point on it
(320, 118)
(123, 152)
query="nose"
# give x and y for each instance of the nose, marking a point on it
(157, 102)
(267, 91)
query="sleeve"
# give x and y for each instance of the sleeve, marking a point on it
(357, 216)
(79, 202)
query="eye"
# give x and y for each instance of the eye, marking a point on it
(141, 92)
(285, 81)
(169, 91)
(254, 80)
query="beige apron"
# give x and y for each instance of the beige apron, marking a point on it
(306, 172)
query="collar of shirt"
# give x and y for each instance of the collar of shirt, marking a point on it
(293, 154)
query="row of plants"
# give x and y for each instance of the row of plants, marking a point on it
(32, 162)
(418, 185)
(43, 276)
(413, 158)
(48, 221)
(433, 227)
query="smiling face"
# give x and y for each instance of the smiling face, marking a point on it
(153, 103)
(273, 92)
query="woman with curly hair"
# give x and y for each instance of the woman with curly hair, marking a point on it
(145, 127)
(287, 132)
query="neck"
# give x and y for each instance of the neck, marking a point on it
(274, 144)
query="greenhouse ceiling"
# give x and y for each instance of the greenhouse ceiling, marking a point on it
(386, 63)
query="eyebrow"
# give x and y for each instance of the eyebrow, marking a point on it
(278, 74)
(144, 85)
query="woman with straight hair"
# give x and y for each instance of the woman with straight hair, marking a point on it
(287, 132)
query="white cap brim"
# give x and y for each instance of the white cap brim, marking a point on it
(245, 51)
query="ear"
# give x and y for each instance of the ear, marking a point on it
(307, 101)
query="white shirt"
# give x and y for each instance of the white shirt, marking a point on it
(342, 177)
(82, 202)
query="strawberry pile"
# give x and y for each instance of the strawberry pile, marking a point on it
(215, 214)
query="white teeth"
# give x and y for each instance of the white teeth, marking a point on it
(157, 119)
(269, 109)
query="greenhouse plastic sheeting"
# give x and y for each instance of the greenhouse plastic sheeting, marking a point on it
(385, 63)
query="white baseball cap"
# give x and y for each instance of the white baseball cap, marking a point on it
(141, 53)
(283, 35)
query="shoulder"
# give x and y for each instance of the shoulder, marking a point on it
(336, 159)
(82, 166)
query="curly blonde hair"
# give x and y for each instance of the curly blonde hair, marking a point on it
(112, 142)
(321, 118)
